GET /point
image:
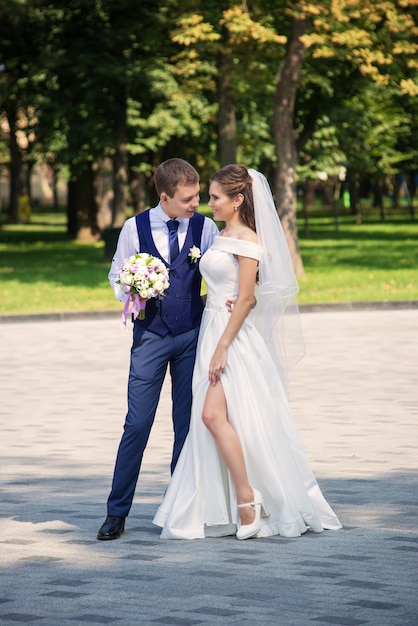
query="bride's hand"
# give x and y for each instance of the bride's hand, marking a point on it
(217, 365)
(230, 304)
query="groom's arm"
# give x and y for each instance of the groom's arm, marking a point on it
(209, 232)
(128, 244)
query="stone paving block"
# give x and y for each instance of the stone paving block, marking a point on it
(63, 401)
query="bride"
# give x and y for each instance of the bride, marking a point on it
(243, 468)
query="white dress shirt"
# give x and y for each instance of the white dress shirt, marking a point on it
(128, 242)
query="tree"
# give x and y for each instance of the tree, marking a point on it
(285, 137)
(18, 49)
(211, 81)
(368, 35)
(370, 126)
(95, 56)
(221, 49)
(363, 39)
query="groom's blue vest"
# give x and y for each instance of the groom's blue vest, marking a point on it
(181, 308)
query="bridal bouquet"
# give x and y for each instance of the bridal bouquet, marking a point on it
(142, 276)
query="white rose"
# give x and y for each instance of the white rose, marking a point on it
(127, 278)
(194, 254)
(141, 284)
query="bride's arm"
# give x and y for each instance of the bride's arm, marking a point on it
(243, 305)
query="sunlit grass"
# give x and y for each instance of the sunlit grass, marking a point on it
(369, 262)
(43, 271)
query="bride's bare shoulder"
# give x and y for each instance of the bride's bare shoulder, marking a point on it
(249, 235)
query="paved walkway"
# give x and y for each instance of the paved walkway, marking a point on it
(355, 399)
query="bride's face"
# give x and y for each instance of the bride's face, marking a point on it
(222, 205)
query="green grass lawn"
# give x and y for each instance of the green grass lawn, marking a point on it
(371, 261)
(42, 271)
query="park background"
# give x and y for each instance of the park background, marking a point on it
(321, 97)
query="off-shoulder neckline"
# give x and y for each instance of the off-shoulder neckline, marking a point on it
(254, 243)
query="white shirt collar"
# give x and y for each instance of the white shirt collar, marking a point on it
(163, 215)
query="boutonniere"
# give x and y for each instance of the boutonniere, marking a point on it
(194, 254)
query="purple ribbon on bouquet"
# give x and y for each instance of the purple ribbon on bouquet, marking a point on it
(135, 305)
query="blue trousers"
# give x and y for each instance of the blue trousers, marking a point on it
(150, 357)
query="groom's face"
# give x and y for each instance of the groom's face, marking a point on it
(184, 202)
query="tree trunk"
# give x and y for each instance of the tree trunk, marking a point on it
(309, 191)
(53, 176)
(306, 229)
(139, 192)
(120, 168)
(413, 189)
(328, 195)
(378, 198)
(285, 140)
(15, 166)
(227, 127)
(82, 207)
(336, 197)
(355, 196)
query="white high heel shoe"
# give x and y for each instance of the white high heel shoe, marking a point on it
(251, 530)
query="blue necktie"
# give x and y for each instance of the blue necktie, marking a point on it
(172, 226)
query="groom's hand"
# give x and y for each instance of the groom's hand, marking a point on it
(231, 303)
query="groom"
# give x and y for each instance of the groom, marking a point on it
(168, 334)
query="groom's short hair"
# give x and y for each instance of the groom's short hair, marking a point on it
(173, 172)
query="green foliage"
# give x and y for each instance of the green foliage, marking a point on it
(369, 128)
(74, 67)
(322, 152)
(176, 113)
(379, 38)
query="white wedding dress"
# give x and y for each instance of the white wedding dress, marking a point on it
(200, 500)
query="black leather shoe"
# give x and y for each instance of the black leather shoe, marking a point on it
(112, 528)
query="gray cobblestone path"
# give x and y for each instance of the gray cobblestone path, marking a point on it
(355, 399)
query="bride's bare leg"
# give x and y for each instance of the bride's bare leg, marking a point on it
(215, 418)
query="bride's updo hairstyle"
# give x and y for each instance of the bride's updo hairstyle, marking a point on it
(235, 179)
